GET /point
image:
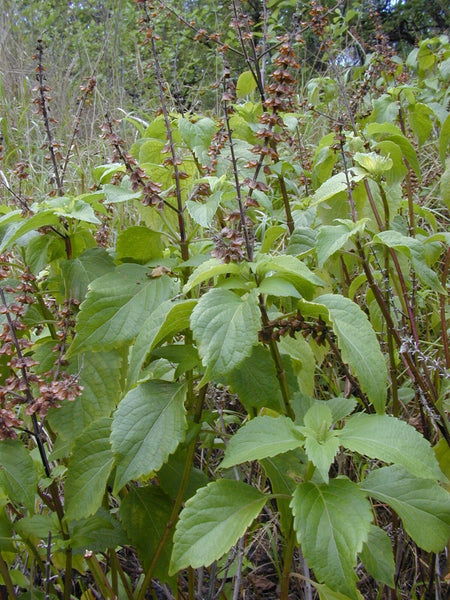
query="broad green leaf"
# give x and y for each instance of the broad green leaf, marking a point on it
(38, 526)
(18, 475)
(321, 444)
(391, 440)
(168, 319)
(332, 238)
(326, 594)
(337, 184)
(414, 249)
(70, 208)
(377, 556)
(359, 346)
(79, 272)
(332, 523)
(422, 505)
(420, 118)
(225, 327)
(198, 135)
(278, 287)
(18, 226)
(246, 84)
(101, 378)
(291, 269)
(212, 522)
(138, 244)
(116, 306)
(148, 426)
(203, 212)
(373, 163)
(444, 139)
(208, 270)
(260, 438)
(120, 193)
(88, 470)
(302, 241)
(444, 185)
(145, 513)
(389, 131)
(6, 533)
(97, 533)
(302, 360)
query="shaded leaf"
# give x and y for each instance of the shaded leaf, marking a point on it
(377, 556)
(18, 475)
(144, 513)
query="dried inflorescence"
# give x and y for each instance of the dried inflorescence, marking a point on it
(24, 389)
(229, 245)
(278, 328)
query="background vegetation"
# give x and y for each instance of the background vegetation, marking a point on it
(224, 358)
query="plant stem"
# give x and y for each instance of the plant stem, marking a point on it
(4, 572)
(190, 452)
(287, 563)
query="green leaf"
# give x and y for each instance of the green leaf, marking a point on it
(148, 426)
(208, 270)
(419, 117)
(359, 346)
(170, 474)
(198, 135)
(212, 522)
(444, 139)
(422, 505)
(337, 184)
(326, 594)
(71, 208)
(332, 238)
(20, 226)
(120, 193)
(292, 270)
(18, 475)
(444, 185)
(260, 438)
(282, 470)
(88, 470)
(97, 533)
(255, 381)
(414, 249)
(79, 272)
(246, 84)
(225, 327)
(203, 212)
(377, 556)
(116, 306)
(38, 526)
(391, 440)
(321, 444)
(138, 244)
(332, 523)
(165, 321)
(101, 378)
(145, 513)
